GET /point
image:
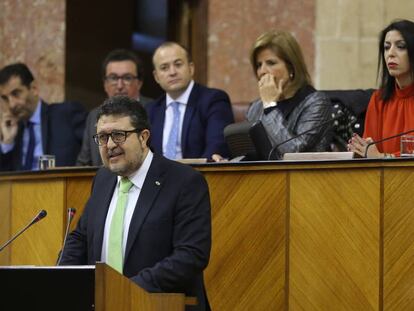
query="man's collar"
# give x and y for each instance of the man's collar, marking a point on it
(183, 98)
(138, 177)
(36, 116)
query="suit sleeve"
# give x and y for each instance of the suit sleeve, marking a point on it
(219, 115)
(191, 241)
(84, 157)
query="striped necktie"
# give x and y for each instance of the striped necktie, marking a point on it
(115, 255)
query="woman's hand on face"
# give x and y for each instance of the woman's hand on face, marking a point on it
(359, 145)
(268, 89)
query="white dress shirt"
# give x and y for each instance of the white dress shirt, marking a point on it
(137, 179)
(169, 117)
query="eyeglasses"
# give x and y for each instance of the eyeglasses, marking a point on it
(118, 137)
(126, 79)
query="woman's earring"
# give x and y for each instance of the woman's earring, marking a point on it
(291, 76)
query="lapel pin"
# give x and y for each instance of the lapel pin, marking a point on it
(157, 183)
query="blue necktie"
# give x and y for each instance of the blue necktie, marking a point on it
(28, 163)
(171, 149)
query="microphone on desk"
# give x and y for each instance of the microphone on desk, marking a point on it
(339, 114)
(42, 214)
(385, 139)
(71, 214)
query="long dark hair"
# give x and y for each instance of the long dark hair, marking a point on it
(406, 29)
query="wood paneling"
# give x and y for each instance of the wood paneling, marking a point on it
(334, 240)
(40, 244)
(286, 236)
(5, 220)
(398, 240)
(248, 251)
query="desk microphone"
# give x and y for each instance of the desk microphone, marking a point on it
(339, 114)
(71, 214)
(385, 139)
(42, 214)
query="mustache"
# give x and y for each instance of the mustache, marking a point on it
(114, 152)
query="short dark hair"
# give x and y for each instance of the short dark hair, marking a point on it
(16, 70)
(121, 55)
(387, 82)
(121, 105)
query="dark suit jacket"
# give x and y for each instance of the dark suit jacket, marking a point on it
(89, 153)
(169, 237)
(208, 112)
(62, 128)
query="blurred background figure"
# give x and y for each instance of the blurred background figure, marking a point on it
(288, 104)
(31, 128)
(391, 108)
(122, 72)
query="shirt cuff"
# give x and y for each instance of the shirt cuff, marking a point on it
(5, 148)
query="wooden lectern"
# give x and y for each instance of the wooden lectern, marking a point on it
(80, 288)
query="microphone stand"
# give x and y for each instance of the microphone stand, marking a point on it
(42, 214)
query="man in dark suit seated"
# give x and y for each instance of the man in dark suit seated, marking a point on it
(188, 121)
(30, 127)
(141, 219)
(123, 74)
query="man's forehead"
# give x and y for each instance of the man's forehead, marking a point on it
(169, 54)
(13, 83)
(113, 119)
(124, 66)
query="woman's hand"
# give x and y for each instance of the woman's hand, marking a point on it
(268, 89)
(359, 145)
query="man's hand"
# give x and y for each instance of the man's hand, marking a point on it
(8, 127)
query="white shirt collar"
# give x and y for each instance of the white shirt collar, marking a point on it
(183, 98)
(138, 177)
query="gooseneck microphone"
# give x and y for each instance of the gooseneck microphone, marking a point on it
(71, 214)
(385, 139)
(338, 115)
(42, 214)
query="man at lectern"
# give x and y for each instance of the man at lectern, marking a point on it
(148, 217)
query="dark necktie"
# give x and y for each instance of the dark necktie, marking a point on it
(28, 164)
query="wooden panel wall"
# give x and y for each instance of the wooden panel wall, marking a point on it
(247, 266)
(334, 240)
(398, 239)
(40, 244)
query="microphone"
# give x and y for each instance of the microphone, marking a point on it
(385, 139)
(339, 114)
(71, 214)
(42, 214)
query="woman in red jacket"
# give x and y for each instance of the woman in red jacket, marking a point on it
(391, 108)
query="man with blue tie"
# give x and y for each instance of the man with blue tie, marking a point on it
(29, 127)
(189, 119)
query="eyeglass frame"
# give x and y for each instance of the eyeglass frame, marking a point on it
(127, 79)
(125, 135)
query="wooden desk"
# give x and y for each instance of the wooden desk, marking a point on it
(310, 236)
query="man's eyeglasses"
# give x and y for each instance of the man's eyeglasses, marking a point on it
(118, 137)
(126, 79)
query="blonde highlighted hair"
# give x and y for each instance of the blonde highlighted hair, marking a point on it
(285, 46)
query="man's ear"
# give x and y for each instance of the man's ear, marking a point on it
(34, 88)
(144, 136)
(154, 73)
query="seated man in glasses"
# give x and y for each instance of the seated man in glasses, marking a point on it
(122, 75)
(29, 127)
(141, 219)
